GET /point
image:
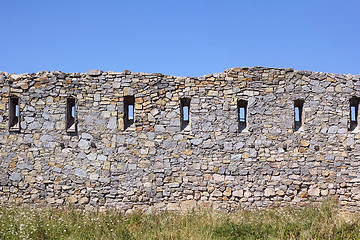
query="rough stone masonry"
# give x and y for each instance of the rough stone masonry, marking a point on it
(155, 162)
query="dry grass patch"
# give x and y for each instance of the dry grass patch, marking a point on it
(322, 222)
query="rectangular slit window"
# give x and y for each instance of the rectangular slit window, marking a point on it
(354, 109)
(298, 114)
(242, 115)
(71, 125)
(131, 112)
(129, 104)
(14, 114)
(184, 113)
(353, 113)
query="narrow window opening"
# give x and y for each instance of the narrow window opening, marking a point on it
(14, 114)
(184, 112)
(298, 114)
(73, 112)
(71, 125)
(129, 103)
(242, 115)
(354, 109)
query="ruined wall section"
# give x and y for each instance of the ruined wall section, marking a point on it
(155, 163)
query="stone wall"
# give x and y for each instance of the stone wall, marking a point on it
(154, 163)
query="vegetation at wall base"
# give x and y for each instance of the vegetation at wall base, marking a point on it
(326, 221)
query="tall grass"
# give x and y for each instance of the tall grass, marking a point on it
(321, 222)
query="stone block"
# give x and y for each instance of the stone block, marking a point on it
(238, 193)
(314, 191)
(304, 143)
(216, 193)
(83, 144)
(94, 72)
(83, 200)
(80, 172)
(72, 199)
(15, 176)
(269, 192)
(227, 192)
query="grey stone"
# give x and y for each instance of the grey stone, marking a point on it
(196, 141)
(48, 125)
(24, 166)
(112, 123)
(97, 97)
(101, 157)
(46, 138)
(236, 157)
(80, 172)
(4, 179)
(132, 166)
(86, 136)
(159, 128)
(243, 172)
(174, 185)
(94, 72)
(333, 129)
(91, 156)
(94, 176)
(83, 144)
(15, 176)
(34, 126)
(29, 119)
(318, 89)
(207, 144)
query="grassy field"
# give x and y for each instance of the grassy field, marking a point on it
(322, 222)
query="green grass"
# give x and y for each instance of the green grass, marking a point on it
(311, 222)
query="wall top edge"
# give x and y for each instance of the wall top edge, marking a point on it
(235, 70)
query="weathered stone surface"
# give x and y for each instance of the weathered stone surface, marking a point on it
(314, 191)
(83, 200)
(216, 193)
(269, 192)
(72, 199)
(15, 176)
(154, 159)
(112, 123)
(304, 143)
(80, 172)
(15, 77)
(83, 144)
(94, 72)
(238, 193)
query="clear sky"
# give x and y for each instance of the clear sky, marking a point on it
(182, 38)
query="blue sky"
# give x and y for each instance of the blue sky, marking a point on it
(182, 38)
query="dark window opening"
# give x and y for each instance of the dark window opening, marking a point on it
(184, 113)
(71, 125)
(129, 104)
(298, 114)
(354, 109)
(242, 114)
(14, 114)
